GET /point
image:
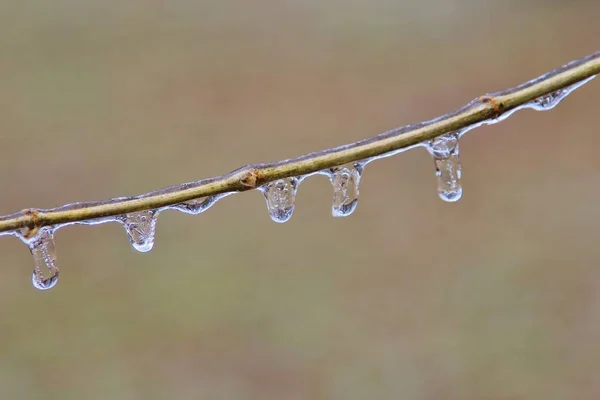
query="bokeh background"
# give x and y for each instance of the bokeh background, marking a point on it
(494, 297)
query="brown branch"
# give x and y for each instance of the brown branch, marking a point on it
(486, 109)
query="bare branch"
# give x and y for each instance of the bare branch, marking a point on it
(487, 109)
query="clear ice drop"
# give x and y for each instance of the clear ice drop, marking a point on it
(280, 196)
(551, 100)
(140, 227)
(45, 271)
(445, 152)
(345, 180)
(196, 206)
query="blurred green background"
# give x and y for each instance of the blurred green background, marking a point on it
(494, 297)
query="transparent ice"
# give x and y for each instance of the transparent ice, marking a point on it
(197, 206)
(45, 271)
(345, 180)
(140, 227)
(550, 101)
(280, 197)
(445, 152)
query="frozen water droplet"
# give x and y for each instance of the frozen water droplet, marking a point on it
(280, 196)
(45, 271)
(345, 180)
(445, 152)
(196, 206)
(140, 227)
(551, 100)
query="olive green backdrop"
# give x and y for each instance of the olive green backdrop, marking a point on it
(494, 297)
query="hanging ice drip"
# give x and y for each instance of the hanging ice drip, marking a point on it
(280, 197)
(345, 180)
(445, 152)
(140, 227)
(45, 270)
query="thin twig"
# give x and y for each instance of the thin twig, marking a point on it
(485, 109)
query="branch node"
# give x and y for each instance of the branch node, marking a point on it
(33, 224)
(250, 178)
(497, 106)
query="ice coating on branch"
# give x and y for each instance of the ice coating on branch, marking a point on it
(445, 152)
(140, 227)
(197, 206)
(345, 180)
(551, 100)
(280, 196)
(45, 271)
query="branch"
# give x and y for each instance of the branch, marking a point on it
(488, 109)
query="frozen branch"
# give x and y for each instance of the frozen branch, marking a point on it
(541, 93)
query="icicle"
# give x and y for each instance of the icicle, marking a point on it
(140, 227)
(345, 180)
(280, 196)
(551, 100)
(45, 271)
(445, 152)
